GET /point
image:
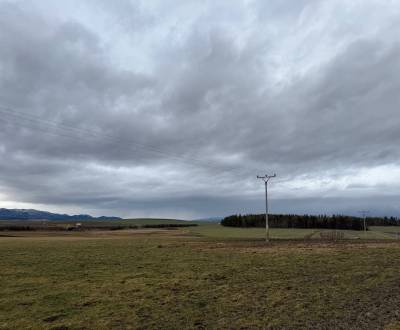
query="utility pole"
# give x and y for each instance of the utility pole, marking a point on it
(266, 178)
(364, 215)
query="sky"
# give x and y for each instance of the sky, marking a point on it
(164, 108)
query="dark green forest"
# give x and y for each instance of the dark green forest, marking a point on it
(307, 221)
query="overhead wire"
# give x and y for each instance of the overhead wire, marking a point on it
(38, 122)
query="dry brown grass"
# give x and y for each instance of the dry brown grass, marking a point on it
(154, 279)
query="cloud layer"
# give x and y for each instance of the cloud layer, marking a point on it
(147, 109)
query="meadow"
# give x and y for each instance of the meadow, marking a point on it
(216, 231)
(205, 277)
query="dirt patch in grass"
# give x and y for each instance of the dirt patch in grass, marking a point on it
(53, 318)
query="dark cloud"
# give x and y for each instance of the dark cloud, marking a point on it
(175, 112)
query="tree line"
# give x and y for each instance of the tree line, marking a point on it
(86, 227)
(307, 221)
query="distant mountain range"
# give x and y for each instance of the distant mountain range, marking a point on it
(210, 219)
(23, 214)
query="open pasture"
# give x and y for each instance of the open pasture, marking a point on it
(88, 225)
(216, 231)
(141, 279)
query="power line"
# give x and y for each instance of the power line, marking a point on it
(25, 119)
(35, 120)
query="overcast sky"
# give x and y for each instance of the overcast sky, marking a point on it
(171, 108)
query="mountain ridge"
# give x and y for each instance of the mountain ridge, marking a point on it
(32, 214)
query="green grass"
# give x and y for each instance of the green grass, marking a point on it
(216, 231)
(220, 232)
(183, 282)
(149, 221)
(87, 224)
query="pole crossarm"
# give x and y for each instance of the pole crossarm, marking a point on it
(266, 177)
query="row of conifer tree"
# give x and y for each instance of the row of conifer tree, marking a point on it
(307, 221)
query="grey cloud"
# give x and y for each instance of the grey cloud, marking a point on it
(211, 104)
(130, 15)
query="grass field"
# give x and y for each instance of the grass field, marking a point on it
(149, 221)
(190, 278)
(216, 231)
(93, 223)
